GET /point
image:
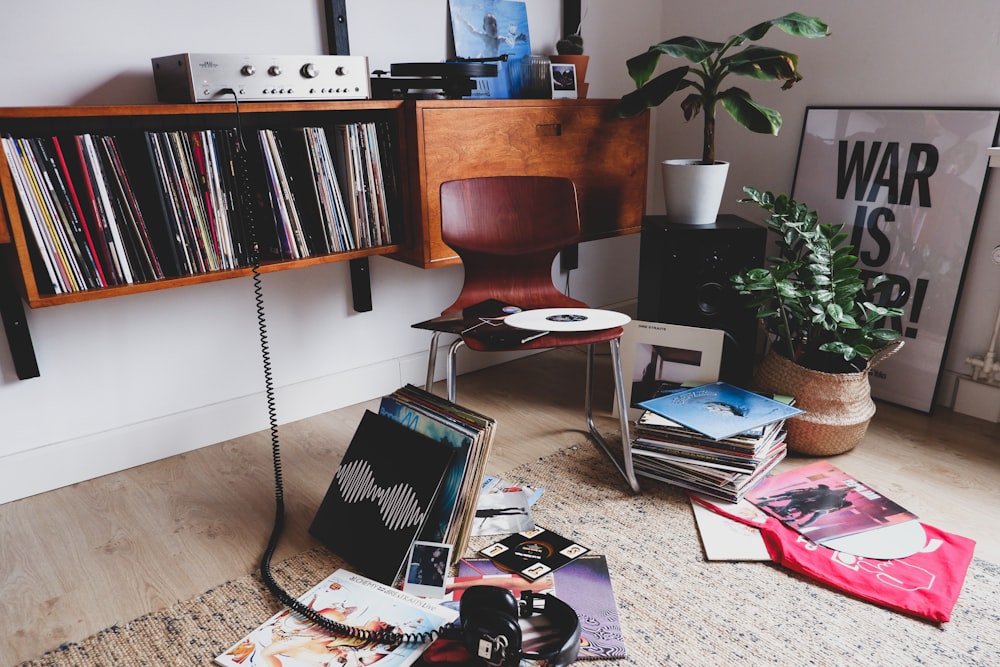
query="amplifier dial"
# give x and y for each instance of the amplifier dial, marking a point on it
(309, 71)
(274, 70)
(248, 70)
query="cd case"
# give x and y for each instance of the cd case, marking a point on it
(533, 553)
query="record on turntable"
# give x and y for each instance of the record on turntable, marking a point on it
(567, 319)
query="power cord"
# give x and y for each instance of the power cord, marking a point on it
(310, 614)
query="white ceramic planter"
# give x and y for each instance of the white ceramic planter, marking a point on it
(693, 191)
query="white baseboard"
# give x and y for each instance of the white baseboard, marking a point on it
(63, 463)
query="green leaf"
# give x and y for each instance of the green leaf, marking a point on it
(693, 49)
(758, 273)
(653, 93)
(800, 25)
(751, 115)
(642, 66)
(764, 63)
(844, 261)
(847, 322)
(886, 335)
(794, 24)
(767, 312)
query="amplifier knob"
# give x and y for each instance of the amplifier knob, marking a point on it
(274, 70)
(341, 71)
(309, 71)
(248, 70)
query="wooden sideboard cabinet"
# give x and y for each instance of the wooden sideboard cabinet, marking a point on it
(606, 157)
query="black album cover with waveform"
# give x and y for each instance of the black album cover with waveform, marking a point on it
(380, 496)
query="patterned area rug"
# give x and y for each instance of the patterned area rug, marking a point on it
(676, 608)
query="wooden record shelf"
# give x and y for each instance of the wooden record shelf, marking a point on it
(19, 257)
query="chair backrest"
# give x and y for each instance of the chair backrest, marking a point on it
(507, 230)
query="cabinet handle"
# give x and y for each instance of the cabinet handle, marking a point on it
(549, 129)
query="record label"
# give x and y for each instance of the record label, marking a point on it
(567, 319)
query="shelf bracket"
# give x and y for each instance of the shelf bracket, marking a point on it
(361, 284)
(16, 325)
(337, 43)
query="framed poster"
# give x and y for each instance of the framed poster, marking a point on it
(908, 184)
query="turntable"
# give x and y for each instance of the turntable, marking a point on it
(451, 80)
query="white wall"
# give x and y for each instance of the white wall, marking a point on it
(132, 379)
(135, 378)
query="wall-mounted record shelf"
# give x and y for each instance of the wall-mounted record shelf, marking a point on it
(104, 201)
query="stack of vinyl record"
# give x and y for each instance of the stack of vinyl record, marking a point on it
(716, 439)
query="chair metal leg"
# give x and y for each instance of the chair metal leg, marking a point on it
(452, 367)
(432, 361)
(625, 468)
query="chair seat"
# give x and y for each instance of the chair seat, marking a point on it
(553, 339)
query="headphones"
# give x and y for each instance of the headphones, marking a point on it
(490, 630)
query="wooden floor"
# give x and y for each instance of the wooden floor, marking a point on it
(79, 559)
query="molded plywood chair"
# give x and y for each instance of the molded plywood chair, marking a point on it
(508, 230)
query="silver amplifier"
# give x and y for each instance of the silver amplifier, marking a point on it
(215, 77)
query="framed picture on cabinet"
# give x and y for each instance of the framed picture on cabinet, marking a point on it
(907, 183)
(563, 81)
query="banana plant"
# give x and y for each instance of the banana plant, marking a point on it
(712, 63)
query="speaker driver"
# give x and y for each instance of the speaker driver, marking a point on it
(709, 298)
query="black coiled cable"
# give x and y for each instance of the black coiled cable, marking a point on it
(310, 614)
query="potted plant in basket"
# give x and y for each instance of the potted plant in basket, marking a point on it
(712, 62)
(824, 324)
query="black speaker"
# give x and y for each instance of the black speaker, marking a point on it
(684, 275)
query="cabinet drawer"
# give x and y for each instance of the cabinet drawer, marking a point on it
(604, 155)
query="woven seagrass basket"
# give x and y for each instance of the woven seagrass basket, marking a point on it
(838, 406)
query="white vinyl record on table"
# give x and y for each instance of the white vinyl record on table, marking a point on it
(567, 319)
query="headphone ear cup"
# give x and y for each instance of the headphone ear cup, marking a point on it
(494, 598)
(489, 624)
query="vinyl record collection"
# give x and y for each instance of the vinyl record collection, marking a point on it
(722, 467)
(470, 434)
(107, 210)
(426, 453)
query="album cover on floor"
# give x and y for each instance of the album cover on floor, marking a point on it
(584, 584)
(288, 640)
(416, 417)
(381, 496)
(720, 410)
(832, 508)
(533, 553)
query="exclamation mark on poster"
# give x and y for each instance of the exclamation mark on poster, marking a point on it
(918, 303)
